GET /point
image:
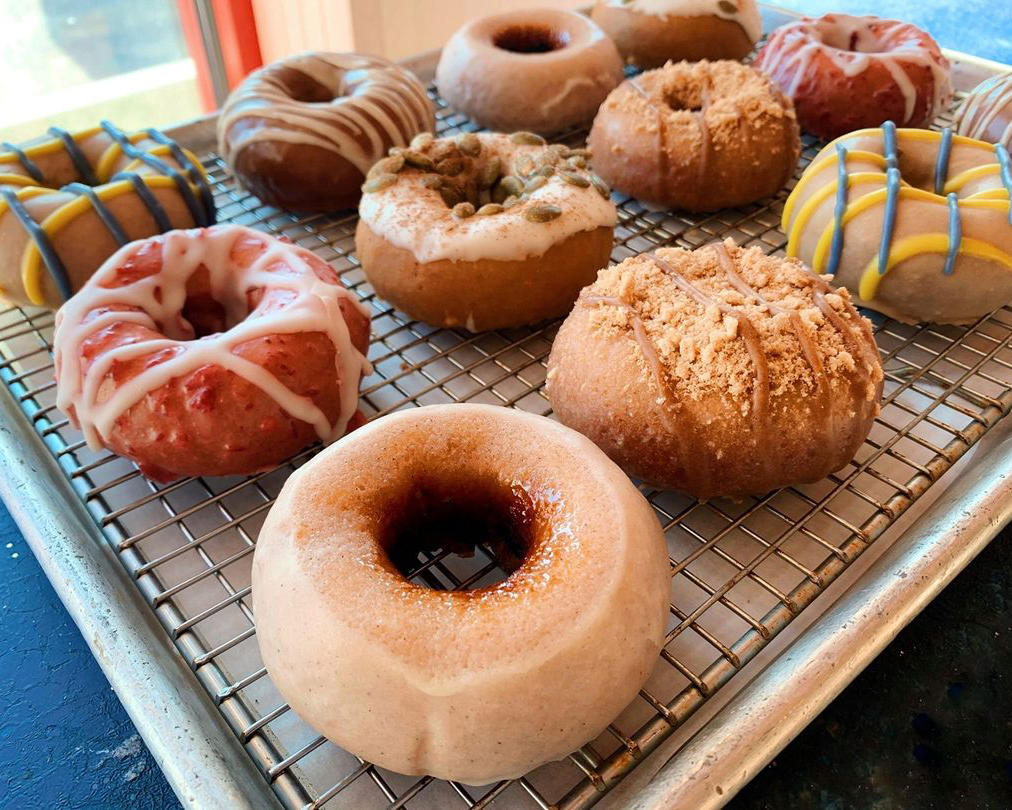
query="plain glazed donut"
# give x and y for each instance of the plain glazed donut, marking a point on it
(915, 223)
(846, 73)
(219, 351)
(302, 132)
(986, 113)
(484, 231)
(538, 70)
(720, 371)
(471, 685)
(649, 33)
(113, 188)
(696, 136)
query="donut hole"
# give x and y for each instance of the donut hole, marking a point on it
(679, 102)
(449, 521)
(844, 39)
(305, 89)
(530, 39)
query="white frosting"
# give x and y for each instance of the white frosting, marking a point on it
(983, 106)
(376, 104)
(746, 13)
(791, 48)
(415, 218)
(156, 302)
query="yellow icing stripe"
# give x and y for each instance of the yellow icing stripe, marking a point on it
(961, 179)
(926, 243)
(915, 135)
(161, 151)
(105, 168)
(31, 260)
(990, 194)
(9, 179)
(820, 196)
(47, 147)
(815, 168)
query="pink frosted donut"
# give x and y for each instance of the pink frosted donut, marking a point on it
(539, 70)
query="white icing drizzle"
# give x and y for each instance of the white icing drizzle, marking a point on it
(743, 12)
(415, 218)
(376, 104)
(988, 102)
(156, 302)
(790, 49)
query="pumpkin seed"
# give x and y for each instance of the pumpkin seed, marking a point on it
(390, 165)
(463, 210)
(469, 144)
(444, 149)
(422, 139)
(727, 7)
(527, 139)
(559, 151)
(524, 165)
(577, 162)
(542, 213)
(600, 185)
(489, 173)
(510, 185)
(544, 171)
(451, 166)
(418, 160)
(489, 209)
(581, 152)
(450, 195)
(395, 150)
(379, 182)
(510, 201)
(575, 179)
(432, 181)
(534, 184)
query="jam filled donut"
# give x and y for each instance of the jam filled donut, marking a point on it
(301, 133)
(69, 202)
(720, 371)
(696, 136)
(846, 73)
(210, 352)
(483, 231)
(986, 113)
(916, 223)
(539, 70)
(472, 685)
(648, 33)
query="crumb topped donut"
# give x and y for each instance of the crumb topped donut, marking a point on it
(648, 33)
(696, 136)
(216, 351)
(720, 371)
(302, 132)
(538, 69)
(472, 685)
(484, 230)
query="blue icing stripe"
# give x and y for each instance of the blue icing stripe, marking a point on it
(942, 163)
(892, 195)
(104, 214)
(840, 210)
(192, 171)
(26, 162)
(162, 221)
(77, 156)
(1006, 174)
(49, 255)
(955, 234)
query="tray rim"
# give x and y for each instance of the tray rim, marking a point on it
(206, 763)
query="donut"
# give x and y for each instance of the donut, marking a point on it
(302, 132)
(217, 351)
(68, 202)
(986, 113)
(915, 223)
(846, 73)
(648, 33)
(719, 371)
(696, 136)
(540, 70)
(474, 685)
(483, 231)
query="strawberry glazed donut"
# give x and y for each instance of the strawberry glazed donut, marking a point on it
(219, 351)
(846, 73)
(537, 69)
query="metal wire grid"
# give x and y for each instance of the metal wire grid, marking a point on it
(741, 571)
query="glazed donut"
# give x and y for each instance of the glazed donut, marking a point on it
(696, 136)
(846, 73)
(986, 113)
(113, 188)
(210, 352)
(484, 231)
(539, 70)
(649, 33)
(302, 132)
(915, 223)
(720, 371)
(471, 685)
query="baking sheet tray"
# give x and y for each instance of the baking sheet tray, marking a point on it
(743, 572)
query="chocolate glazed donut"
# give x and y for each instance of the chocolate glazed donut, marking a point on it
(301, 133)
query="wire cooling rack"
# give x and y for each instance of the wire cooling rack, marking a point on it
(741, 571)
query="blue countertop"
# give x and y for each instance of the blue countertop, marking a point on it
(65, 741)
